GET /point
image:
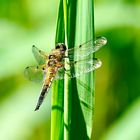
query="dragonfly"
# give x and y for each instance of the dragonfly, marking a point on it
(51, 66)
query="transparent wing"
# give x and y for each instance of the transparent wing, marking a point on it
(79, 68)
(34, 73)
(86, 48)
(39, 55)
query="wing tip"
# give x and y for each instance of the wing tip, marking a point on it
(97, 62)
(102, 40)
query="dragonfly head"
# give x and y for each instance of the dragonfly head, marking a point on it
(61, 46)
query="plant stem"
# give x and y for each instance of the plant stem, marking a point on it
(67, 83)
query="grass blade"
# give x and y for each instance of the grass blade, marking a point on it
(76, 18)
(57, 114)
(80, 29)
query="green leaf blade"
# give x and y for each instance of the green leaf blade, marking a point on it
(78, 93)
(57, 113)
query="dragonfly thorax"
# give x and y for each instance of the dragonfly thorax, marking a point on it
(51, 56)
(51, 63)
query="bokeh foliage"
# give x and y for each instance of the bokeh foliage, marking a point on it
(27, 22)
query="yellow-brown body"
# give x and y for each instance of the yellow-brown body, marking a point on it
(54, 62)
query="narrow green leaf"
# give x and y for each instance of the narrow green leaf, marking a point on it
(85, 86)
(67, 83)
(77, 93)
(57, 117)
(60, 30)
(81, 29)
(70, 25)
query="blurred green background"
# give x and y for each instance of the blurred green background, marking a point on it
(117, 91)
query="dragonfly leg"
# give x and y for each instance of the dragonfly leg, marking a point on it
(63, 70)
(66, 57)
(69, 75)
(67, 71)
(71, 63)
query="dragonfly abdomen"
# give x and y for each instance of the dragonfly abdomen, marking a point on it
(41, 97)
(47, 84)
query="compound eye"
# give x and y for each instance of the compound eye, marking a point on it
(57, 46)
(63, 47)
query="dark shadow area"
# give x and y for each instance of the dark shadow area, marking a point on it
(78, 126)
